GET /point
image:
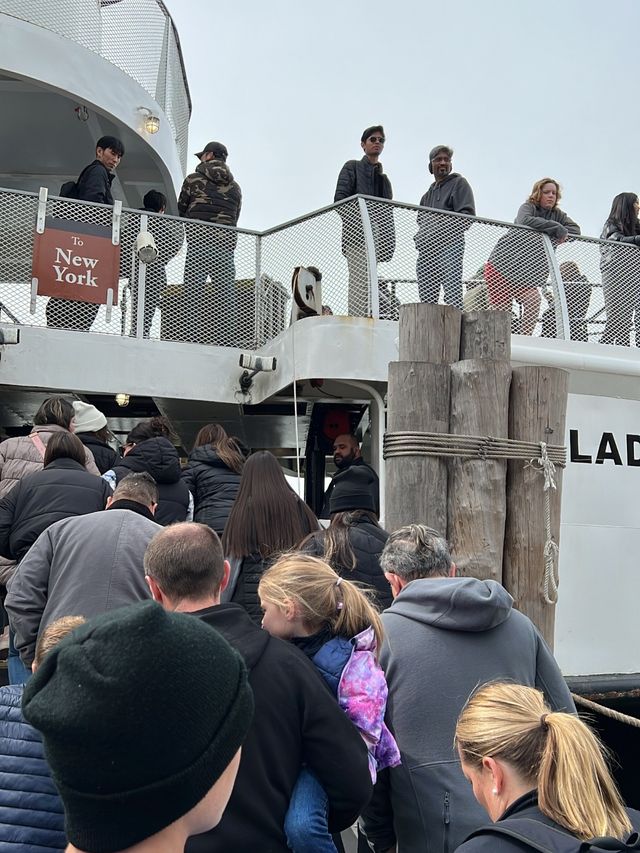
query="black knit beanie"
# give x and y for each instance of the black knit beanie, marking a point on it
(140, 711)
(353, 489)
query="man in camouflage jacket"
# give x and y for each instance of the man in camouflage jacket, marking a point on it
(210, 194)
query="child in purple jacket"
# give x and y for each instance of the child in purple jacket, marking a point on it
(333, 622)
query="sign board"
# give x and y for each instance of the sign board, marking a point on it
(77, 261)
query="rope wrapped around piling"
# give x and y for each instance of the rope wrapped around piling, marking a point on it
(540, 456)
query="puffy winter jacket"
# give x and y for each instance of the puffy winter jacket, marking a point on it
(20, 456)
(158, 457)
(32, 817)
(213, 485)
(105, 456)
(94, 184)
(361, 177)
(60, 490)
(367, 541)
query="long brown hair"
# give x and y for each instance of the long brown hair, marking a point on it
(226, 448)
(335, 539)
(267, 517)
(557, 753)
(320, 596)
(64, 445)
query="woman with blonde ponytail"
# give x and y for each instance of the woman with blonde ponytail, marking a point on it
(541, 776)
(335, 624)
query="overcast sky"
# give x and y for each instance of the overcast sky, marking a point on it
(519, 89)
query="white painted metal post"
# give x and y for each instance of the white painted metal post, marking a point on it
(141, 281)
(563, 328)
(372, 265)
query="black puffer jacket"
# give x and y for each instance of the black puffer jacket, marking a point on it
(61, 490)
(367, 541)
(94, 184)
(158, 457)
(105, 456)
(213, 485)
(248, 571)
(361, 177)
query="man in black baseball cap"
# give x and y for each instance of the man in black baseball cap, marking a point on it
(216, 149)
(210, 194)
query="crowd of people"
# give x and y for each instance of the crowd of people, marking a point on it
(517, 269)
(269, 687)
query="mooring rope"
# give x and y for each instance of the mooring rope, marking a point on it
(606, 712)
(540, 456)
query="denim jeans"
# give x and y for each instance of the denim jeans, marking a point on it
(306, 822)
(18, 672)
(441, 266)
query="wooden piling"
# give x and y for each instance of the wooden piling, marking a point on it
(480, 406)
(418, 400)
(537, 412)
(477, 487)
(416, 486)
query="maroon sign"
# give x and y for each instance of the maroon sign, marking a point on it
(76, 260)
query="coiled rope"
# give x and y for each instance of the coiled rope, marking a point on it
(540, 456)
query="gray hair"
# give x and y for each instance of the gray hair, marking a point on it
(416, 551)
(139, 487)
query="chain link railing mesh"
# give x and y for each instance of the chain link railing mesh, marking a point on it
(135, 35)
(225, 287)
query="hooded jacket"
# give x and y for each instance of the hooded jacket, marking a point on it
(61, 490)
(444, 637)
(32, 813)
(211, 194)
(454, 194)
(213, 485)
(159, 458)
(296, 720)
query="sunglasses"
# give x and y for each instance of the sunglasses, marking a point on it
(379, 139)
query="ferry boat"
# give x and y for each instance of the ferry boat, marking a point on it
(295, 377)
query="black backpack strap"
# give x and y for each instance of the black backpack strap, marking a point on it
(543, 838)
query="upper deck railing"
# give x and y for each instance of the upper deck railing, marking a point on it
(231, 287)
(138, 36)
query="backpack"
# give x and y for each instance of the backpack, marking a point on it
(70, 188)
(543, 838)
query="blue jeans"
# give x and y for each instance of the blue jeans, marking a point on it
(441, 266)
(18, 672)
(305, 824)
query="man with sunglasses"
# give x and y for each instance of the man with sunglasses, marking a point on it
(365, 177)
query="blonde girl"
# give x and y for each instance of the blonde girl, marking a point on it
(334, 623)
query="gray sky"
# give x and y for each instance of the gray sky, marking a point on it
(520, 90)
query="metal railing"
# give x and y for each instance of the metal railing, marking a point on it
(231, 287)
(137, 36)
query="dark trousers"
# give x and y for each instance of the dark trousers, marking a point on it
(208, 310)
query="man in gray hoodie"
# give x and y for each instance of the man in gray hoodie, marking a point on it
(440, 239)
(444, 636)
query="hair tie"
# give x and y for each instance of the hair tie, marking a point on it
(543, 721)
(338, 581)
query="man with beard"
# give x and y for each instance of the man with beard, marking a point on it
(346, 453)
(440, 240)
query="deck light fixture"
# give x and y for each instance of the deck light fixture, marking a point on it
(122, 399)
(151, 122)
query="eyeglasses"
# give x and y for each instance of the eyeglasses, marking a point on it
(379, 139)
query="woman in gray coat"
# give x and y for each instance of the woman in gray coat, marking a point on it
(518, 267)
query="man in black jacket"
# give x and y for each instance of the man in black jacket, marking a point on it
(296, 718)
(347, 453)
(365, 177)
(94, 184)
